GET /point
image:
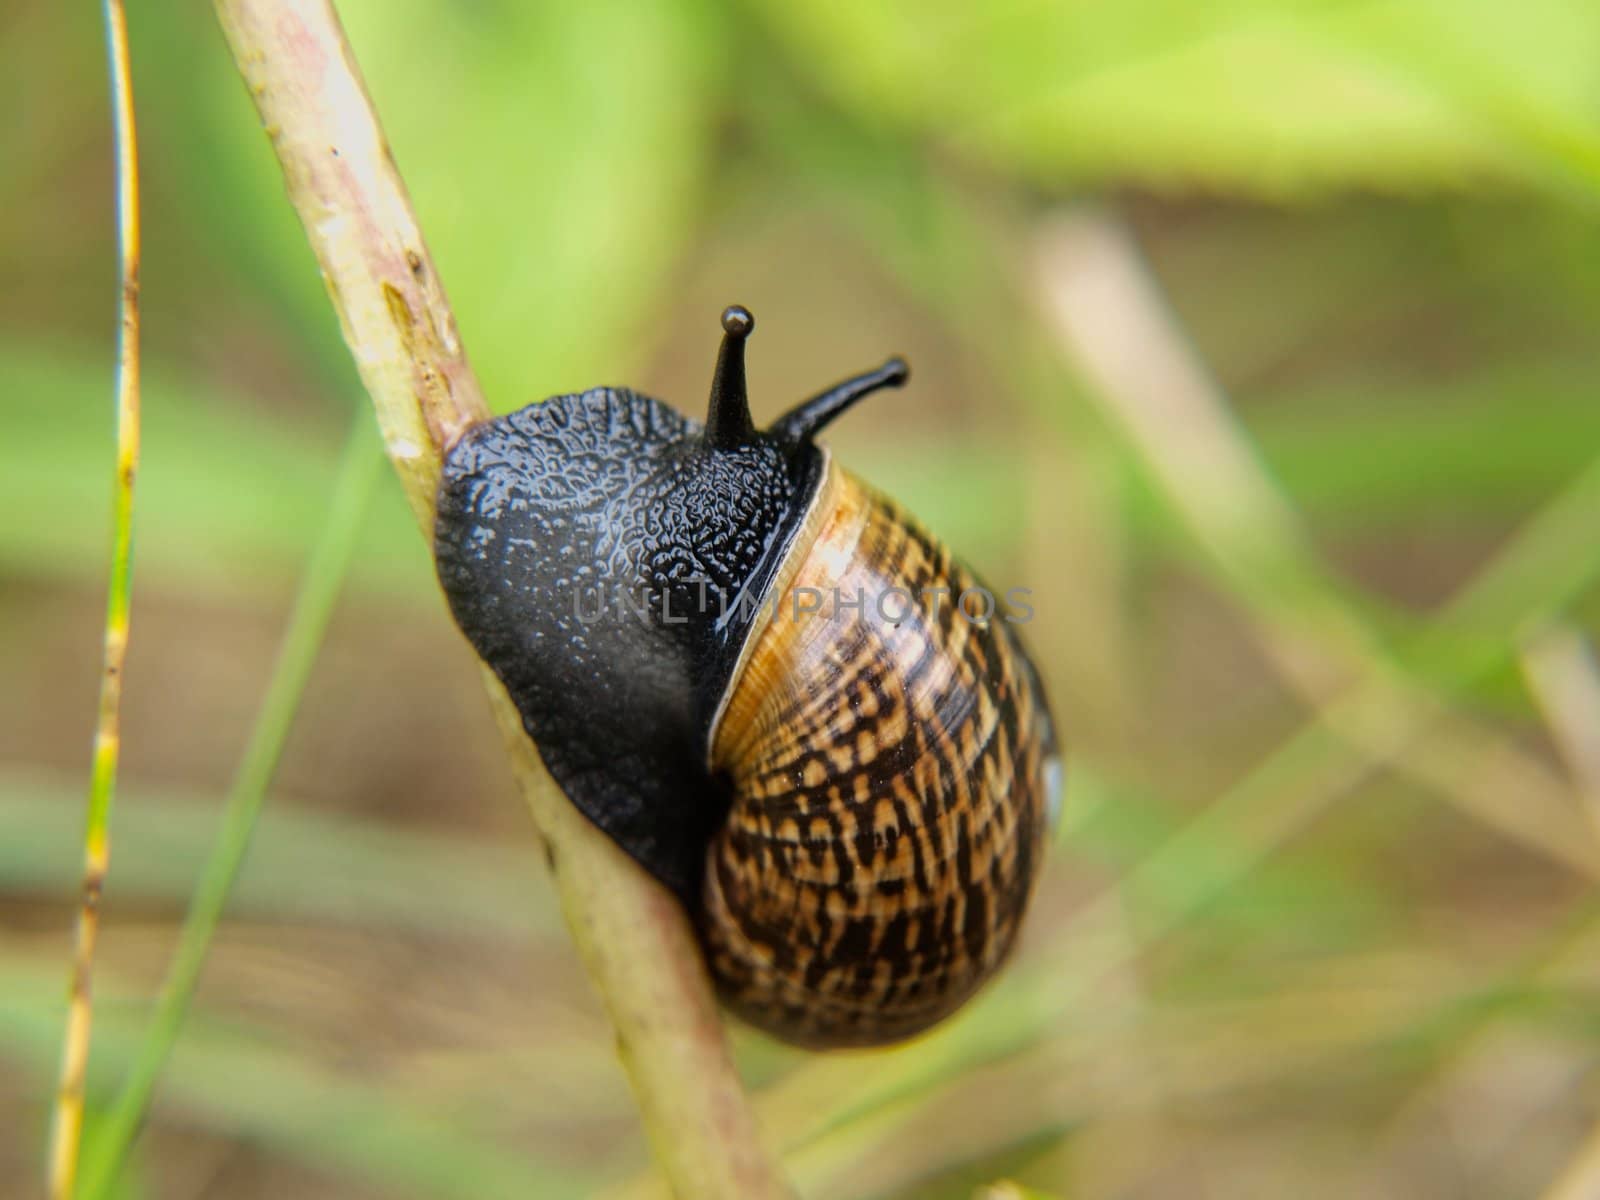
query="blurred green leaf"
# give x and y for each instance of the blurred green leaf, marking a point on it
(1315, 897)
(1268, 97)
(554, 153)
(230, 495)
(344, 870)
(963, 1180)
(231, 1080)
(1364, 453)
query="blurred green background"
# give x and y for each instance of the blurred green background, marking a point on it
(1257, 338)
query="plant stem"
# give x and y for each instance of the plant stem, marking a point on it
(67, 1126)
(634, 937)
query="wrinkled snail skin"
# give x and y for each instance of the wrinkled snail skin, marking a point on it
(851, 802)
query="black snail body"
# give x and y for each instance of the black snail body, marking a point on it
(756, 674)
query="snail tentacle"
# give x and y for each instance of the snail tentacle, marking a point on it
(806, 420)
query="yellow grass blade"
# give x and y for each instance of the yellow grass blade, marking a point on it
(68, 1123)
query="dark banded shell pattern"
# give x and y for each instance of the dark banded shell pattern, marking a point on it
(892, 781)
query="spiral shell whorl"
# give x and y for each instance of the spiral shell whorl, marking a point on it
(890, 790)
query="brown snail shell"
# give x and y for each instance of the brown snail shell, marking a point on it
(892, 784)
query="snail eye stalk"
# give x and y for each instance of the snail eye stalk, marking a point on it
(728, 422)
(806, 420)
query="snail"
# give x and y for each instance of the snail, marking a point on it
(767, 684)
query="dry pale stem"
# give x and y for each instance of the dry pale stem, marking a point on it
(633, 937)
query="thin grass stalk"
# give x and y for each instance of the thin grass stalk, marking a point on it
(1564, 679)
(297, 654)
(633, 936)
(1562, 949)
(1110, 317)
(67, 1123)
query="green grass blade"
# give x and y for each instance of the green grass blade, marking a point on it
(358, 475)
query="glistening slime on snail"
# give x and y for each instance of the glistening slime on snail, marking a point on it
(852, 810)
